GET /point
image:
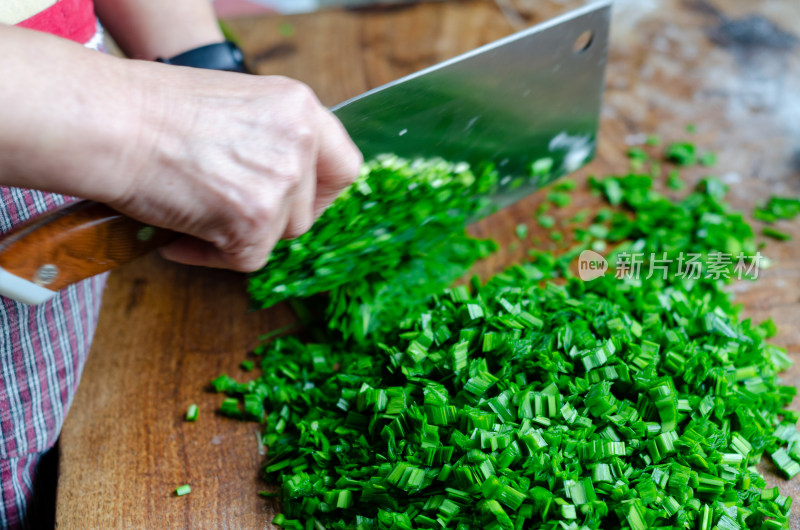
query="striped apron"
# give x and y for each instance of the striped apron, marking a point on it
(43, 348)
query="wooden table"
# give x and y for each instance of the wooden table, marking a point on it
(166, 330)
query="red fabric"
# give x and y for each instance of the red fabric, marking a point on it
(70, 19)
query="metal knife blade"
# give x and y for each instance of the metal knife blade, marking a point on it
(534, 94)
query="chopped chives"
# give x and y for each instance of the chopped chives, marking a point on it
(775, 234)
(653, 140)
(546, 221)
(785, 463)
(559, 199)
(674, 181)
(523, 402)
(191, 412)
(183, 490)
(708, 159)
(682, 153)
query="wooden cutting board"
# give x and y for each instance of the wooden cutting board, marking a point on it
(166, 330)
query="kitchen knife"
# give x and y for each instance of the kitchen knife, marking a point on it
(533, 95)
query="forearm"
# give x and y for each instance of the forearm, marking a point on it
(146, 29)
(69, 115)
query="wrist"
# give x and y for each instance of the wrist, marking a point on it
(127, 129)
(166, 106)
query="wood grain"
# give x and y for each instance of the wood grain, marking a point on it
(166, 330)
(78, 241)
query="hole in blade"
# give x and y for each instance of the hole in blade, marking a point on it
(583, 41)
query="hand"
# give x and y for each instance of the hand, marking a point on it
(235, 162)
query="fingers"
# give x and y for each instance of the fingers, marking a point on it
(192, 251)
(300, 200)
(242, 246)
(338, 161)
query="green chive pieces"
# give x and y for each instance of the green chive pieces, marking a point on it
(682, 153)
(191, 412)
(775, 234)
(534, 399)
(180, 491)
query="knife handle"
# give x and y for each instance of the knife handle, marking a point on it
(69, 244)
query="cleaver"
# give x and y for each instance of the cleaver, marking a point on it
(533, 95)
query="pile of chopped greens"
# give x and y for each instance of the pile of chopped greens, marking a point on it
(378, 224)
(534, 400)
(397, 213)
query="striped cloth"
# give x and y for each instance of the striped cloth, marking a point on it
(42, 348)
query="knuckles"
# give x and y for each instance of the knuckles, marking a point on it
(247, 263)
(351, 166)
(299, 93)
(287, 174)
(246, 223)
(301, 136)
(298, 226)
(256, 216)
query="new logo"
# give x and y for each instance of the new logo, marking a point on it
(591, 265)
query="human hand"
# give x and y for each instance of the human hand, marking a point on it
(235, 162)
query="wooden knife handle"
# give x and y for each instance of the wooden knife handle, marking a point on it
(75, 242)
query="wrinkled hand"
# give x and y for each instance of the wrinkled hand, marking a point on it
(235, 162)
